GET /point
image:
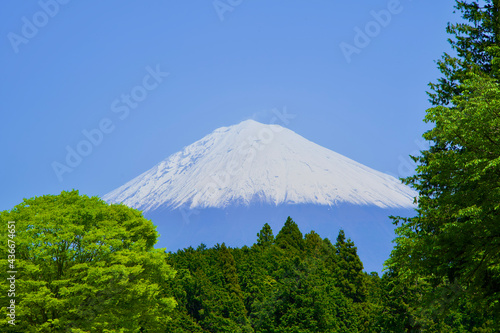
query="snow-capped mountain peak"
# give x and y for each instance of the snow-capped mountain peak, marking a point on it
(252, 162)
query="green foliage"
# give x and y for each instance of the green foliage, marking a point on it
(476, 42)
(265, 236)
(84, 265)
(449, 254)
(305, 300)
(291, 285)
(91, 267)
(237, 311)
(349, 269)
(454, 240)
(306, 285)
(290, 237)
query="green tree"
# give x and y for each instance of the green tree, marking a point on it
(305, 299)
(476, 43)
(455, 239)
(349, 269)
(85, 266)
(235, 308)
(290, 237)
(314, 245)
(453, 244)
(265, 236)
(275, 288)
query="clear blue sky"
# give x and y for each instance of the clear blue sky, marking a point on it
(68, 67)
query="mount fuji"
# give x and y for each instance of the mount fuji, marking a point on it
(224, 187)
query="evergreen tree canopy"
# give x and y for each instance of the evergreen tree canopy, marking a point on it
(476, 42)
(320, 288)
(265, 236)
(349, 269)
(314, 244)
(290, 237)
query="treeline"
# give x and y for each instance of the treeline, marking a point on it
(87, 266)
(296, 283)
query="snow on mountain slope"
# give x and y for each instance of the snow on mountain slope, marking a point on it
(252, 162)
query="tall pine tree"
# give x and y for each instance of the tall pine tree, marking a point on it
(265, 236)
(235, 307)
(290, 237)
(349, 269)
(476, 42)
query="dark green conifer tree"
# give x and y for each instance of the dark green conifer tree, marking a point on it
(235, 309)
(476, 42)
(349, 269)
(229, 271)
(265, 236)
(314, 245)
(290, 237)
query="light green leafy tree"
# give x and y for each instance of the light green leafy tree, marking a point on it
(455, 239)
(450, 251)
(85, 266)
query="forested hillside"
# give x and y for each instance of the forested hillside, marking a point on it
(295, 283)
